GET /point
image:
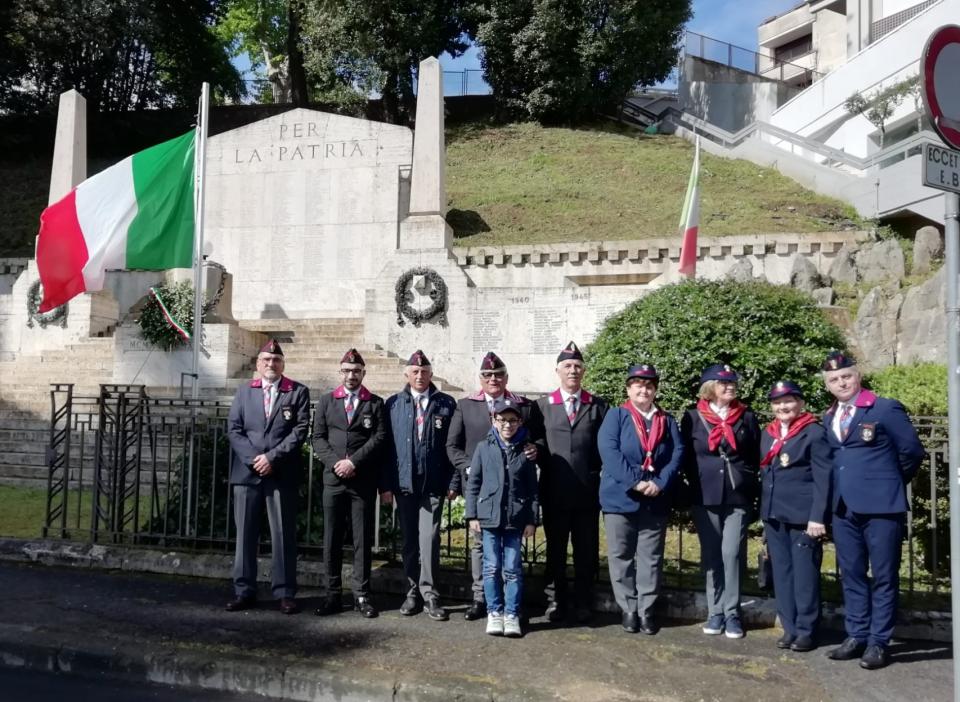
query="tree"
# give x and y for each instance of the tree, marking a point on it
(879, 107)
(563, 61)
(767, 332)
(374, 46)
(119, 54)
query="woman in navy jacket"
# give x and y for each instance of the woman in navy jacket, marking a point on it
(795, 503)
(641, 451)
(721, 452)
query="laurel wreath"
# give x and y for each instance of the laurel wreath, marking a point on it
(404, 296)
(58, 315)
(157, 330)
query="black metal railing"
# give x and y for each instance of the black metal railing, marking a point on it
(126, 468)
(733, 56)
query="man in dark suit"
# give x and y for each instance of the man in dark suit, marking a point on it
(569, 485)
(471, 423)
(876, 453)
(267, 425)
(348, 437)
(418, 475)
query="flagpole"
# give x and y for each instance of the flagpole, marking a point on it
(200, 169)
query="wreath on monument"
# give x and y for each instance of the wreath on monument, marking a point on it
(57, 315)
(166, 320)
(404, 296)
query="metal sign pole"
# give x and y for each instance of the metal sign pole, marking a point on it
(952, 263)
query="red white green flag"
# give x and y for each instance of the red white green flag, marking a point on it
(690, 220)
(137, 214)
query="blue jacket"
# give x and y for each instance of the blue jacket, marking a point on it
(879, 456)
(714, 481)
(622, 460)
(796, 484)
(501, 485)
(418, 466)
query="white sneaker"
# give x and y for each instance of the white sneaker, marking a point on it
(495, 624)
(511, 626)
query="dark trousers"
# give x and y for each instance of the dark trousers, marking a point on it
(582, 527)
(420, 527)
(796, 560)
(338, 502)
(874, 541)
(281, 505)
(635, 544)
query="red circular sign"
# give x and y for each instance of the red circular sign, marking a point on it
(941, 82)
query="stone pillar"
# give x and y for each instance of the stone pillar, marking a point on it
(70, 147)
(425, 227)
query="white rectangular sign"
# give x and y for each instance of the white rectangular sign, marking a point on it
(941, 167)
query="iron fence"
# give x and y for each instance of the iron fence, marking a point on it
(125, 468)
(710, 49)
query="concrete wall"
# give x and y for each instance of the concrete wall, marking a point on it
(727, 97)
(830, 40)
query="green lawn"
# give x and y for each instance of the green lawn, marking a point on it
(526, 184)
(21, 511)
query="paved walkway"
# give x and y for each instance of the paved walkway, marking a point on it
(174, 630)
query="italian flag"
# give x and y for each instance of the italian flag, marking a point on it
(690, 220)
(137, 214)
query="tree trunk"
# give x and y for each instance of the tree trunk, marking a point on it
(295, 70)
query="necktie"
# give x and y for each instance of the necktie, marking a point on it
(846, 417)
(571, 408)
(350, 408)
(421, 411)
(267, 400)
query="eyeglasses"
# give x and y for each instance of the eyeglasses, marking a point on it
(507, 422)
(270, 359)
(351, 371)
(487, 375)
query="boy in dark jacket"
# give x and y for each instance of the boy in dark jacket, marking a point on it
(502, 503)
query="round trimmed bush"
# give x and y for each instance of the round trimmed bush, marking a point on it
(766, 332)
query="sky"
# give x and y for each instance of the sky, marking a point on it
(732, 21)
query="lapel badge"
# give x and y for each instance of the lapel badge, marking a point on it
(438, 422)
(287, 414)
(367, 422)
(868, 431)
(784, 460)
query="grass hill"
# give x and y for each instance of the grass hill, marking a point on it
(527, 184)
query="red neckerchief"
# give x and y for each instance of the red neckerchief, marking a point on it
(657, 429)
(722, 428)
(773, 429)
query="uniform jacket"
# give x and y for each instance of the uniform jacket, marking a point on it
(362, 441)
(472, 422)
(279, 437)
(502, 486)
(622, 461)
(879, 456)
(418, 466)
(568, 455)
(711, 481)
(796, 484)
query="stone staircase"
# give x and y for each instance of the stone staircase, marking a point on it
(312, 348)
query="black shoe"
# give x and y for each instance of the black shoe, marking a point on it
(365, 607)
(435, 611)
(785, 640)
(238, 604)
(874, 657)
(477, 610)
(556, 613)
(288, 605)
(802, 644)
(332, 605)
(631, 622)
(583, 615)
(410, 606)
(847, 651)
(648, 625)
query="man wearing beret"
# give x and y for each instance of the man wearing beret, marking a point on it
(876, 453)
(348, 437)
(418, 474)
(471, 423)
(267, 425)
(569, 485)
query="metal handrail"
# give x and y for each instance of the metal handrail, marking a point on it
(815, 75)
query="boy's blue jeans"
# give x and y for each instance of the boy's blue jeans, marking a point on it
(503, 563)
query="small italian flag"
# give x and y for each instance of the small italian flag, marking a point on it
(137, 214)
(690, 220)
